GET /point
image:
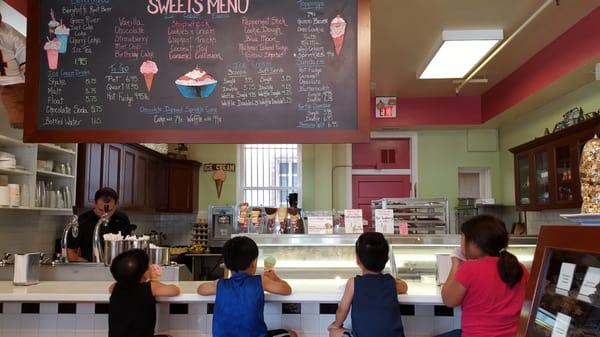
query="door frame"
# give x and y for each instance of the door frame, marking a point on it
(414, 162)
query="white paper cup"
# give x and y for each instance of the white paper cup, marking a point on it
(14, 191)
(4, 196)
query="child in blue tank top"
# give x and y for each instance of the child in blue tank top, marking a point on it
(372, 296)
(240, 300)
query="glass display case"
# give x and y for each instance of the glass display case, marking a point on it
(333, 256)
(523, 181)
(542, 178)
(563, 295)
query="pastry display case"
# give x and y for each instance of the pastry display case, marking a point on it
(333, 256)
(563, 294)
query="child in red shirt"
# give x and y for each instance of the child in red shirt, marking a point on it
(489, 284)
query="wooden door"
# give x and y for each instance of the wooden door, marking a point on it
(373, 187)
(112, 167)
(89, 174)
(162, 186)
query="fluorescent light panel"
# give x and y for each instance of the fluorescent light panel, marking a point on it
(460, 51)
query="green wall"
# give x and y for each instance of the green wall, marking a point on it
(319, 186)
(532, 125)
(442, 152)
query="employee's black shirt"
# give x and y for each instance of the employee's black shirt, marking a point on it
(119, 222)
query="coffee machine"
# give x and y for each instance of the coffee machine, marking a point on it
(220, 226)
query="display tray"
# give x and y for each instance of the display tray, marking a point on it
(584, 219)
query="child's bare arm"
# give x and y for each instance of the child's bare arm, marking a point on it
(207, 288)
(274, 284)
(111, 288)
(345, 304)
(164, 290)
(401, 286)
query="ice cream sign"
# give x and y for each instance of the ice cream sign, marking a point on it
(219, 174)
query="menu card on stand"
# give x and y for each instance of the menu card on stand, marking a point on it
(565, 279)
(384, 221)
(353, 221)
(320, 225)
(561, 326)
(590, 282)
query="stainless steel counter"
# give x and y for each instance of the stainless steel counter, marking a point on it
(91, 272)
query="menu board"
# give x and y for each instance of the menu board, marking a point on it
(197, 66)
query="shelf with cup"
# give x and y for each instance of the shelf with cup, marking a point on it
(53, 148)
(15, 172)
(6, 141)
(54, 174)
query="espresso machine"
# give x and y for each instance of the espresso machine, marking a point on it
(221, 220)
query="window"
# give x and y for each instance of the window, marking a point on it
(269, 173)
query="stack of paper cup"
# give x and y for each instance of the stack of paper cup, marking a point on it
(14, 191)
(4, 196)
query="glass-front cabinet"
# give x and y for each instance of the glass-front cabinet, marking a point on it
(333, 256)
(547, 168)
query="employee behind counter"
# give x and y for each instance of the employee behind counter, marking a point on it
(80, 249)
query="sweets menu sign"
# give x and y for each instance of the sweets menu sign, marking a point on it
(198, 70)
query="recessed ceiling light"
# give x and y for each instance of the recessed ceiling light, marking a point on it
(460, 51)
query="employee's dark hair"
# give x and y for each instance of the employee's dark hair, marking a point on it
(373, 251)
(129, 267)
(490, 235)
(239, 253)
(106, 193)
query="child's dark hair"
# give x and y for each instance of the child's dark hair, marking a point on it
(490, 235)
(239, 253)
(373, 251)
(129, 267)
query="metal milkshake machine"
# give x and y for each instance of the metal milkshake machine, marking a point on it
(221, 220)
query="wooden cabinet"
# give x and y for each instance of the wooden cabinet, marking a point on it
(183, 186)
(547, 169)
(144, 179)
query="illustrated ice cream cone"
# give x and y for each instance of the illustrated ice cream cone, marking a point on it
(219, 178)
(149, 69)
(338, 32)
(53, 23)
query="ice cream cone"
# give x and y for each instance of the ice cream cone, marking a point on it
(339, 44)
(149, 79)
(219, 186)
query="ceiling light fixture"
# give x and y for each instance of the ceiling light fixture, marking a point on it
(460, 51)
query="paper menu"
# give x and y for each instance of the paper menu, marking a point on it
(590, 282)
(561, 325)
(384, 221)
(565, 279)
(353, 221)
(320, 225)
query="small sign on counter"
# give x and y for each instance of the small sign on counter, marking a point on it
(590, 282)
(353, 221)
(561, 326)
(565, 279)
(384, 221)
(320, 225)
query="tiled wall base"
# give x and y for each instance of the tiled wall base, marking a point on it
(195, 320)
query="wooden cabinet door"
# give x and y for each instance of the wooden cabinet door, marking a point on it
(183, 187)
(162, 186)
(89, 174)
(128, 178)
(140, 182)
(112, 167)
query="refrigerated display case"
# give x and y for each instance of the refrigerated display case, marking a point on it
(333, 256)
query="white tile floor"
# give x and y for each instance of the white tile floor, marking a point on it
(196, 323)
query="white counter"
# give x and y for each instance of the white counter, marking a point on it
(321, 291)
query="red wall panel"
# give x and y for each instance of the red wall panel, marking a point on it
(369, 155)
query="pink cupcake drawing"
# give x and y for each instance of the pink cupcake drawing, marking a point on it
(196, 84)
(338, 32)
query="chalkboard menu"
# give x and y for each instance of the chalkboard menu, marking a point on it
(198, 70)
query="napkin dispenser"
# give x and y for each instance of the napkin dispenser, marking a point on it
(27, 269)
(444, 265)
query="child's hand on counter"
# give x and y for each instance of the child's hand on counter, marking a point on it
(155, 272)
